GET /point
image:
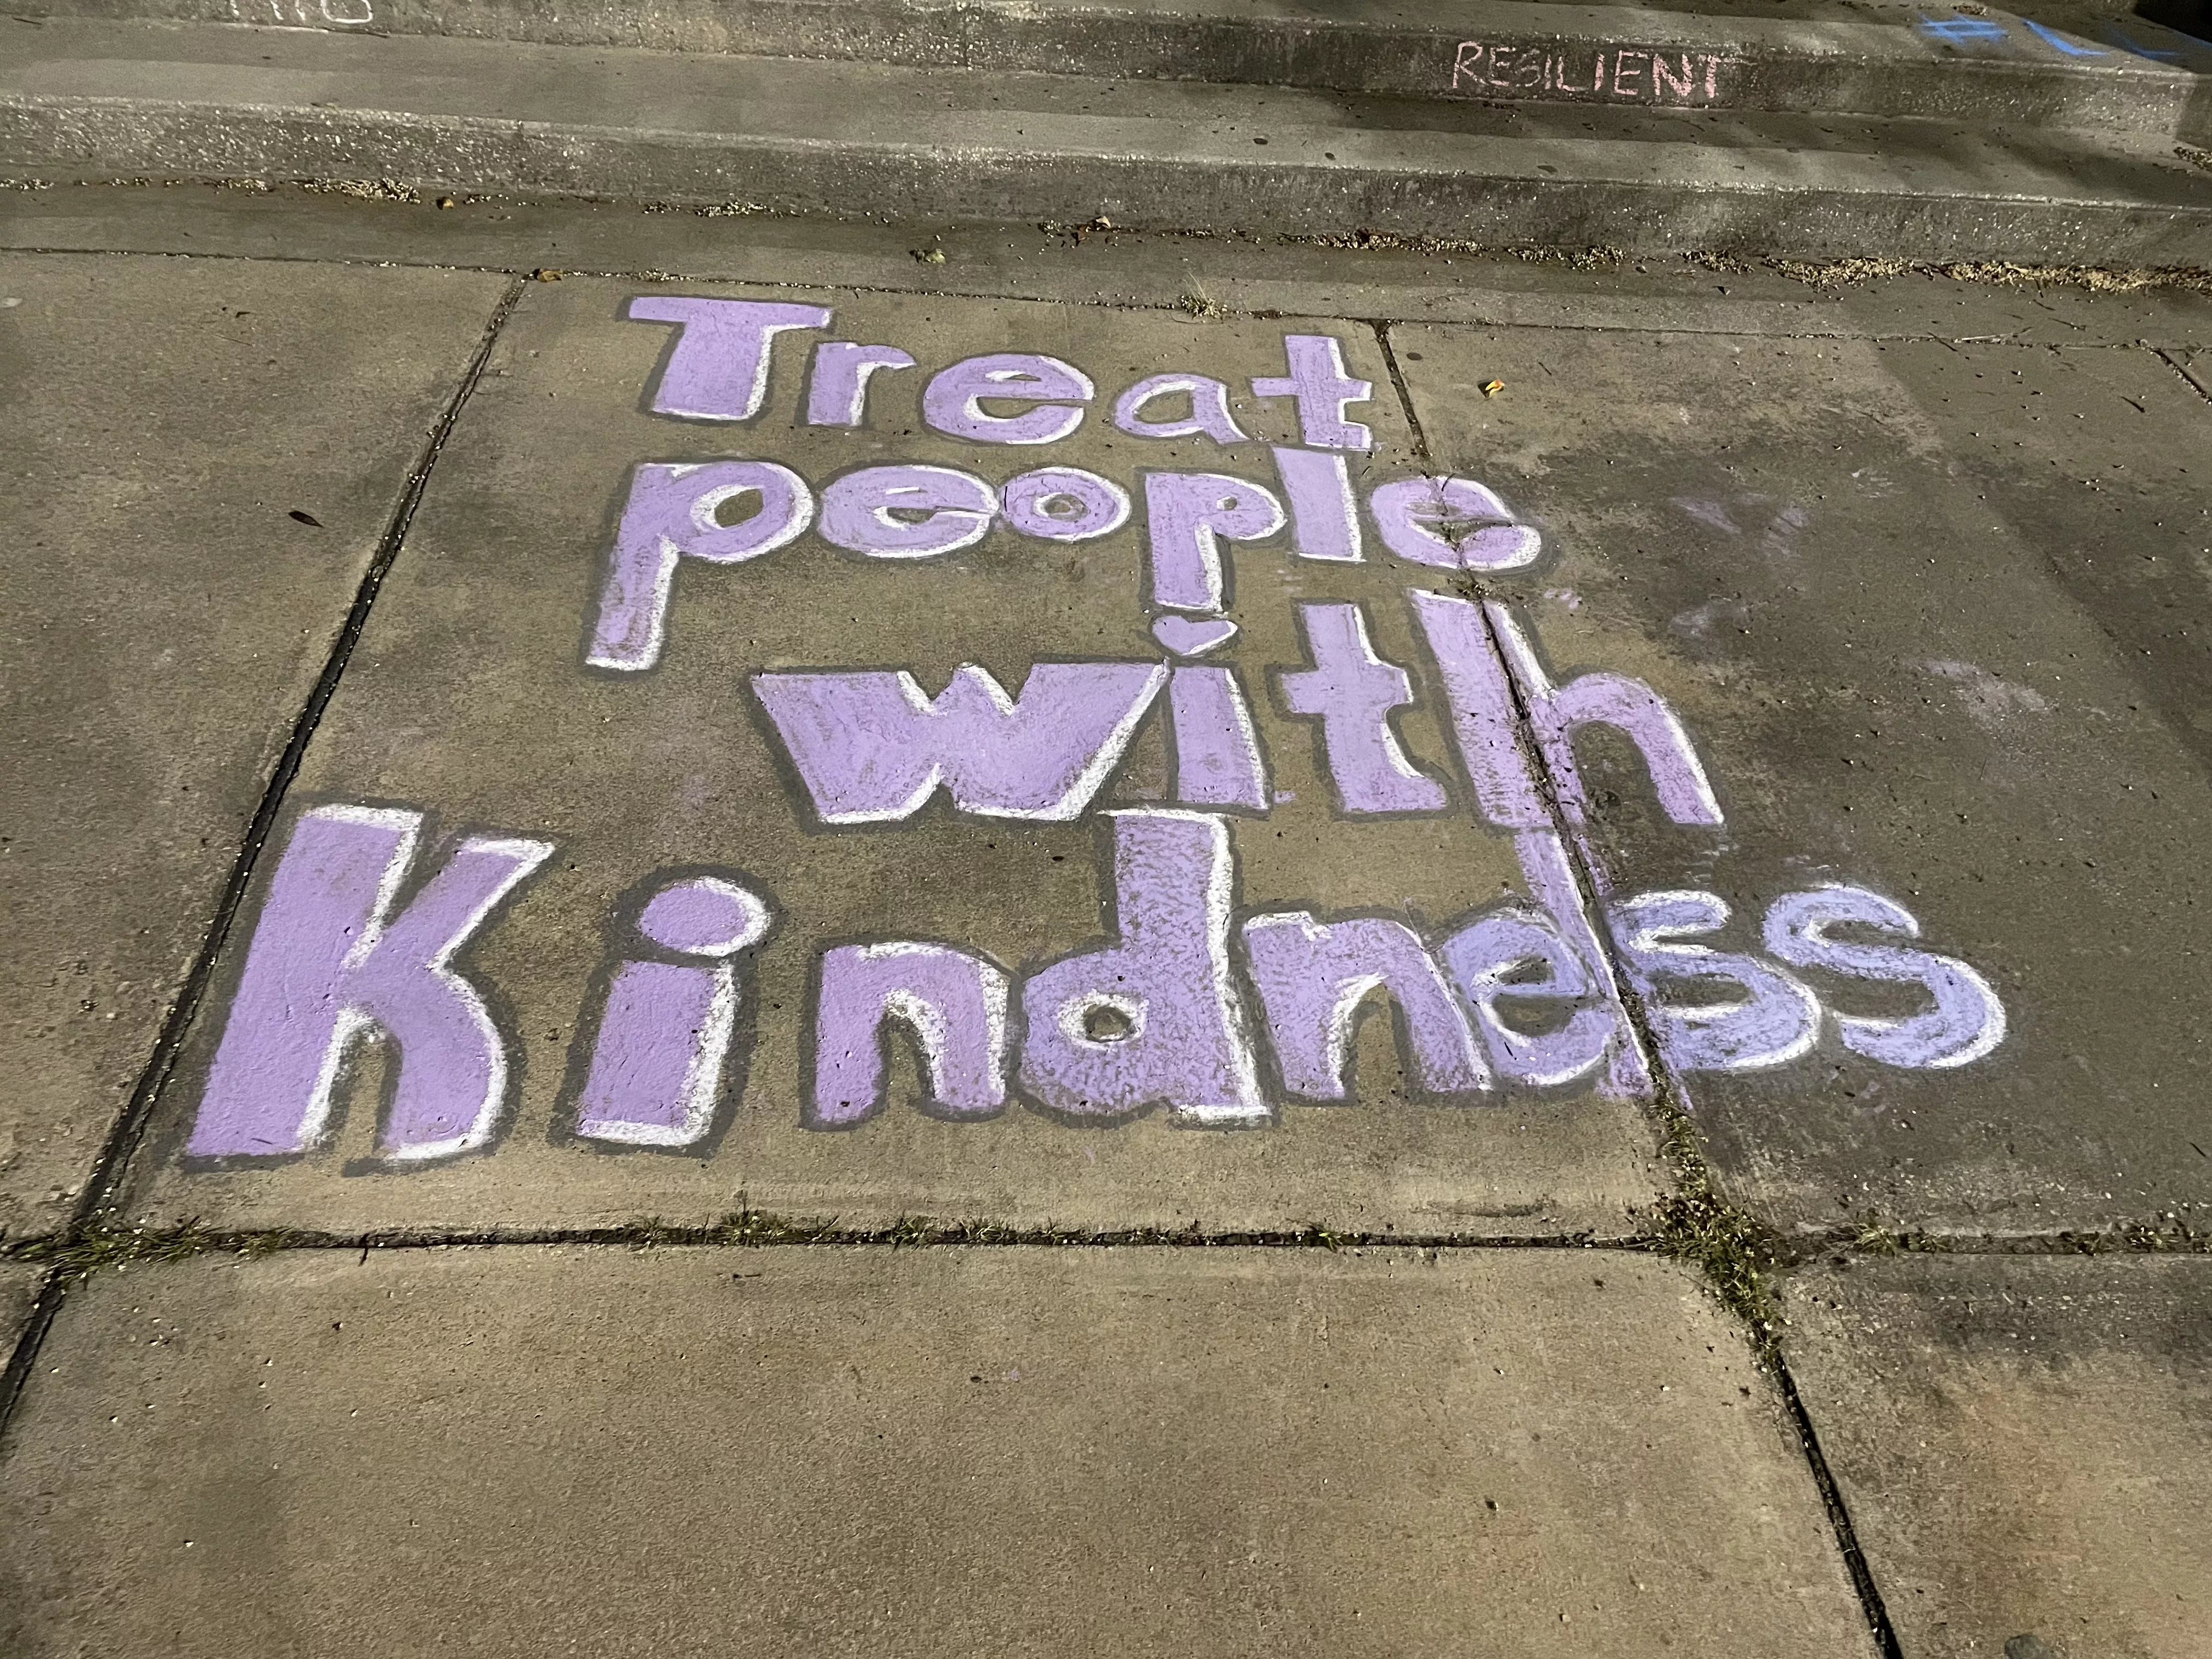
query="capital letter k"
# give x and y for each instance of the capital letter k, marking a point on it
(329, 961)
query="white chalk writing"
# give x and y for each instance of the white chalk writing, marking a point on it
(1634, 75)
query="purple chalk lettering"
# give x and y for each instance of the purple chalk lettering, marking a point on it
(1966, 1020)
(672, 513)
(953, 403)
(1180, 1040)
(1545, 866)
(1312, 977)
(1217, 751)
(1678, 777)
(873, 746)
(718, 367)
(1324, 518)
(1063, 504)
(1410, 512)
(1192, 636)
(949, 510)
(952, 1004)
(1501, 57)
(1351, 691)
(1483, 722)
(705, 916)
(839, 393)
(1466, 62)
(656, 1062)
(1514, 955)
(1621, 69)
(1775, 1020)
(1209, 415)
(330, 962)
(1317, 380)
(1186, 514)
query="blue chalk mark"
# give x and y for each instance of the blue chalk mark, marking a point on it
(2138, 48)
(2053, 37)
(1952, 30)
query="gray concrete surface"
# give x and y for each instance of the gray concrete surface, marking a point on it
(1921, 607)
(19, 1284)
(118, 100)
(1814, 59)
(1373, 278)
(164, 619)
(2196, 365)
(1901, 500)
(469, 698)
(2023, 1445)
(531, 1450)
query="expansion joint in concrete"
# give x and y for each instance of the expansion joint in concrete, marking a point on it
(125, 1133)
(2179, 368)
(1839, 1518)
(1696, 1224)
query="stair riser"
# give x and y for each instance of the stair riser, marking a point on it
(108, 138)
(1690, 63)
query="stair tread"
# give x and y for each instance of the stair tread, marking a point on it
(842, 102)
(233, 101)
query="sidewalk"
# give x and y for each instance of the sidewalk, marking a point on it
(696, 902)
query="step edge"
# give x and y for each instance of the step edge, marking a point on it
(1878, 178)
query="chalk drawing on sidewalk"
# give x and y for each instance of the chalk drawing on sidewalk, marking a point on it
(1189, 1002)
(1616, 74)
(1986, 35)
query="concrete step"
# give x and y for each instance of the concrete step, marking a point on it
(1814, 56)
(84, 98)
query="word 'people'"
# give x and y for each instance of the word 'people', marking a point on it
(717, 370)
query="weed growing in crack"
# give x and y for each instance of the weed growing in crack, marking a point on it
(1738, 1254)
(89, 1249)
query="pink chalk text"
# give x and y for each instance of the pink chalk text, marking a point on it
(1625, 75)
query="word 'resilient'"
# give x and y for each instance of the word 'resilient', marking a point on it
(1641, 75)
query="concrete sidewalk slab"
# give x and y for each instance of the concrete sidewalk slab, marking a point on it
(471, 698)
(529, 1449)
(19, 1284)
(1921, 649)
(164, 613)
(2098, 458)
(2022, 1444)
